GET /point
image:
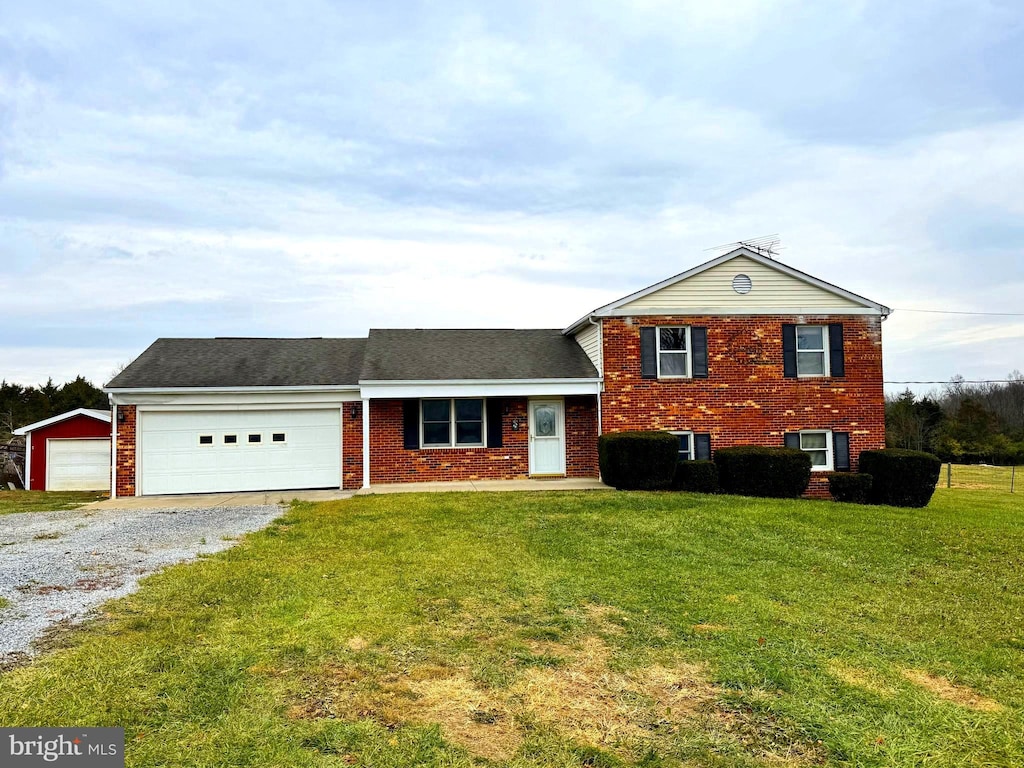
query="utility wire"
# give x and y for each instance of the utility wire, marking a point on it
(948, 381)
(954, 312)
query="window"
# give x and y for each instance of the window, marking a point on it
(278, 437)
(443, 420)
(206, 439)
(674, 352)
(811, 350)
(818, 445)
(255, 438)
(685, 445)
(230, 439)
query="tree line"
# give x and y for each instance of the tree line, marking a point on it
(20, 405)
(963, 423)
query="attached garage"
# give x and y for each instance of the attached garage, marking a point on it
(69, 452)
(212, 451)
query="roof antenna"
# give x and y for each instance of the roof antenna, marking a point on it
(766, 245)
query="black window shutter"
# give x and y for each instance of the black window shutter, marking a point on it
(702, 446)
(789, 350)
(648, 353)
(495, 407)
(836, 359)
(699, 339)
(793, 440)
(411, 424)
(841, 451)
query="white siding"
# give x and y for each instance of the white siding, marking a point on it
(590, 339)
(772, 289)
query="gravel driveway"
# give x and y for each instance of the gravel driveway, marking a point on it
(55, 566)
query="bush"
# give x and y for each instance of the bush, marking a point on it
(901, 478)
(638, 461)
(696, 476)
(750, 470)
(852, 487)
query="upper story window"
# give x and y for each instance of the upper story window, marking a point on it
(811, 350)
(674, 352)
(452, 422)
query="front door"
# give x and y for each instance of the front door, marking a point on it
(547, 437)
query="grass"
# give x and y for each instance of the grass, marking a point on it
(546, 629)
(45, 501)
(982, 477)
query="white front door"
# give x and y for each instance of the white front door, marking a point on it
(547, 437)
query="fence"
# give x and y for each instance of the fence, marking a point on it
(986, 477)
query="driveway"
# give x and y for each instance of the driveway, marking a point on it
(56, 566)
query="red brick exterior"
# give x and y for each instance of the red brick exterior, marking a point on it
(352, 446)
(125, 431)
(746, 399)
(390, 462)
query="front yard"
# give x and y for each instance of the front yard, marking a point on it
(593, 628)
(45, 501)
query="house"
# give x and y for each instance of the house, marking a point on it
(69, 452)
(740, 350)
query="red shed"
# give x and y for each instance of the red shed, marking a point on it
(69, 452)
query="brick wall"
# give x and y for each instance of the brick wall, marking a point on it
(746, 399)
(125, 468)
(390, 462)
(352, 446)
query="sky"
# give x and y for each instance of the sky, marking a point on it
(320, 168)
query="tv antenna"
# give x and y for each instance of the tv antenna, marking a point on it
(766, 245)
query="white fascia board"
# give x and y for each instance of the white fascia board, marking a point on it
(251, 396)
(607, 309)
(92, 414)
(696, 311)
(498, 388)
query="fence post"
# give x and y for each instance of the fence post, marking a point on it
(949, 474)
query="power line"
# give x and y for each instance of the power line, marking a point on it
(958, 381)
(954, 312)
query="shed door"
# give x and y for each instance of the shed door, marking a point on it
(219, 451)
(78, 464)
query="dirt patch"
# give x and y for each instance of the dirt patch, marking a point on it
(357, 643)
(860, 678)
(711, 628)
(957, 694)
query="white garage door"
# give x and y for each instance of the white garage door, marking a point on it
(78, 464)
(213, 451)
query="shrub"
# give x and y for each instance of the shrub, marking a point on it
(750, 470)
(899, 477)
(696, 476)
(852, 487)
(638, 460)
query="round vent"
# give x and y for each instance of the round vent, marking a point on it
(742, 284)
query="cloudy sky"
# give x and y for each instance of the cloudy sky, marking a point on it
(315, 169)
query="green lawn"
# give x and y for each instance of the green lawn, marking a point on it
(45, 501)
(597, 629)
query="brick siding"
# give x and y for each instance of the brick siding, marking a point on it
(125, 469)
(352, 446)
(746, 399)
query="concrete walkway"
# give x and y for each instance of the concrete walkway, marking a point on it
(551, 484)
(211, 500)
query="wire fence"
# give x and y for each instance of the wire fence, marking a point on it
(983, 477)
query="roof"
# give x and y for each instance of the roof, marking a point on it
(243, 362)
(609, 309)
(473, 354)
(92, 413)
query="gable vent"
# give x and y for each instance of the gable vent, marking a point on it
(742, 284)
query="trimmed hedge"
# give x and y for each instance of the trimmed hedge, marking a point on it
(752, 470)
(901, 478)
(638, 461)
(852, 487)
(696, 476)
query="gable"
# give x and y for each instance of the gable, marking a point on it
(771, 289)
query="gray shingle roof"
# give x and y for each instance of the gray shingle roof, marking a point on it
(437, 354)
(239, 362)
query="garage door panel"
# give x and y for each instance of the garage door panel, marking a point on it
(77, 464)
(174, 461)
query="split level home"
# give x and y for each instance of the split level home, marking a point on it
(740, 350)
